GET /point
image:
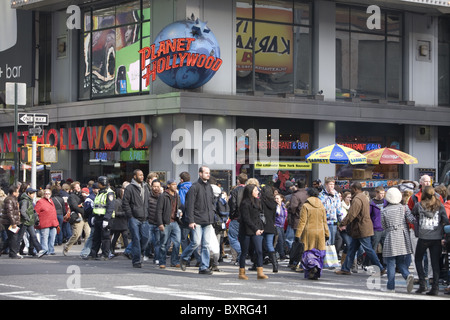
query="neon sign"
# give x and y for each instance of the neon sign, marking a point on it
(362, 146)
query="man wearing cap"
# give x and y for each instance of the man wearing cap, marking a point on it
(27, 220)
(167, 216)
(88, 206)
(104, 206)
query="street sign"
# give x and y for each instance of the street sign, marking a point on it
(35, 131)
(10, 93)
(33, 118)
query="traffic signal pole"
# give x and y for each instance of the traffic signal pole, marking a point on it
(33, 161)
(16, 124)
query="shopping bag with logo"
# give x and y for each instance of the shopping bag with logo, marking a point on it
(331, 258)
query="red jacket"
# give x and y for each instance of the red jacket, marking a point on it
(47, 213)
(447, 208)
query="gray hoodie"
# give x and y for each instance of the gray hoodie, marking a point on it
(431, 224)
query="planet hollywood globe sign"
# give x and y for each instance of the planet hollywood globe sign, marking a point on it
(185, 55)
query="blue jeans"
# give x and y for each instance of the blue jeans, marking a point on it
(48, 236)
(66, 231)
(59, 237)
(155, 240)
(34, 243)
(333, 230)
(268, 240)
(201, 235)
(402, 265)
(290, 235)
(257, 246)
(366, 244)
(280, 242)
(233, 237)
(140, 234)
(171, 233)
(87, 245)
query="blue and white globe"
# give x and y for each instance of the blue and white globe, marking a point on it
(188, 77)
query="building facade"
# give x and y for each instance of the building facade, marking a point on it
(365, 74)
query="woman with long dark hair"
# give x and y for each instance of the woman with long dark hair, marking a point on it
(251, 229)
(432, 217)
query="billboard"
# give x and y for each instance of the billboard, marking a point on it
(16, 46)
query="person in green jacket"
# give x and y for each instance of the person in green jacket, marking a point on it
(27, 222)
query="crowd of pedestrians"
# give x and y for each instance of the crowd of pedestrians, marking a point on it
(175, 223)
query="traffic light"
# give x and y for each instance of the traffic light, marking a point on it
(48, 154)
(26, 154)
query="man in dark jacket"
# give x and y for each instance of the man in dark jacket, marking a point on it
(233, 228)
(10, 219)
(154, 240)
(199, 215)
(167, 215)
(360, 228)
(298, 198)
(135, 206)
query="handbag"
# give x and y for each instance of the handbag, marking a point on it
(331, 259)
(262, 217)
(296, 252)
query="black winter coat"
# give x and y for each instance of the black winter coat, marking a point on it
(269, 207)
(120, 222)
(200, 204)
(152, 202)
(132, 203)
(164, 208)
(74, 200)
(249, 221)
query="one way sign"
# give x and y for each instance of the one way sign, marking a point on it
(33, 118)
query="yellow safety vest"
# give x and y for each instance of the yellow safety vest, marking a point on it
(100, 203)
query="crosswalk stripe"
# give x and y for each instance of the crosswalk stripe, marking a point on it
(360, 294)
(27, 295)
(105, 295)
(169, 291)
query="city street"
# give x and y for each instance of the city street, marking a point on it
(71, 278)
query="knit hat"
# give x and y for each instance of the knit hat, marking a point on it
(85, 190)
(393, 196)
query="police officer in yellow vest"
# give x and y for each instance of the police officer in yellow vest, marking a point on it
(103, 213)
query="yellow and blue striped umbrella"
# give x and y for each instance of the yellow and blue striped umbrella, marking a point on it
(336, 154)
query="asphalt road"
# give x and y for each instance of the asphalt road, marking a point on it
(71, 278)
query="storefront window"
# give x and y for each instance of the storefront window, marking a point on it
(294, 143)
(273, 40)
(368, 58)
(111, 40)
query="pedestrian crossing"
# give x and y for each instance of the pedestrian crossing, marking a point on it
(229, 289)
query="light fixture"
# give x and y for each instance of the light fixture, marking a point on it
(20, 3)
(440, 3)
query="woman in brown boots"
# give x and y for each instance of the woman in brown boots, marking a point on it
(251, 228)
